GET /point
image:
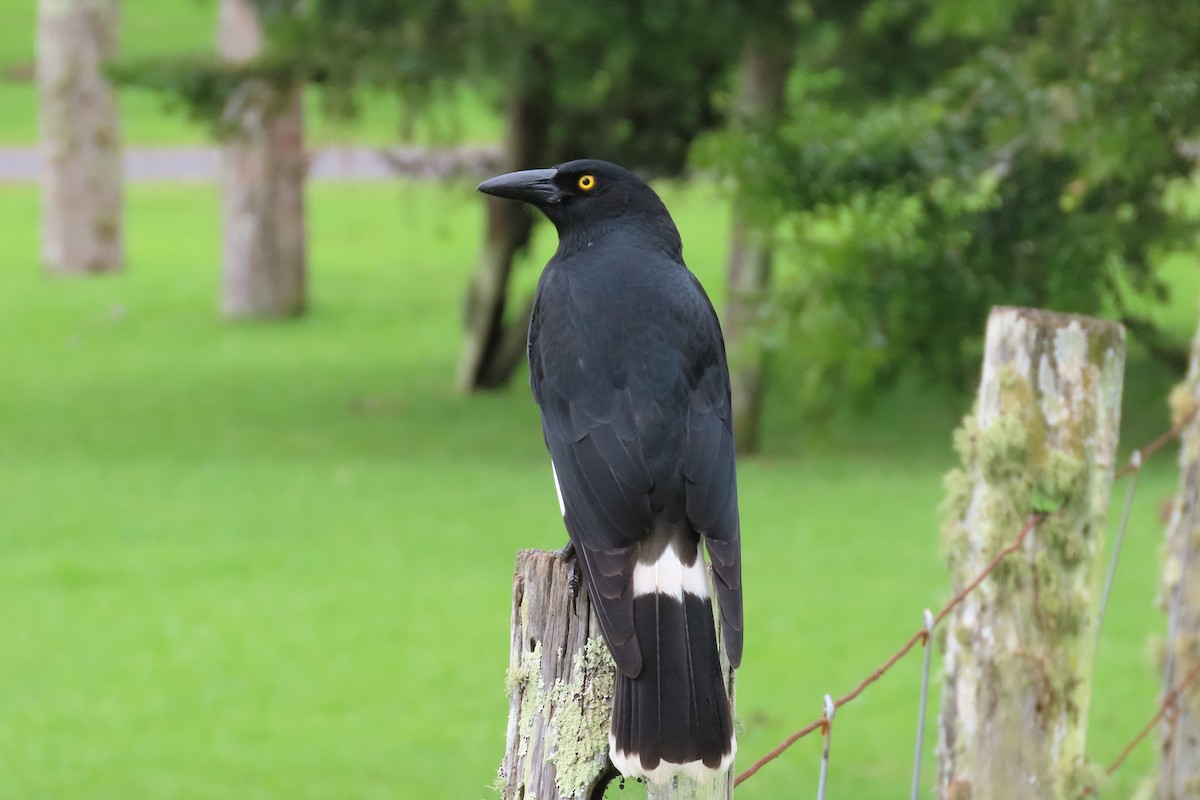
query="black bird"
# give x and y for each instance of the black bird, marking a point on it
(627, 364)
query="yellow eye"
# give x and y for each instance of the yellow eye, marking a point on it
(587, 182)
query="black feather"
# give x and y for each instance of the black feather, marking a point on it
(676, 710)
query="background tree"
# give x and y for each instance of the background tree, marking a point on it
(936, 158)
(263, 165)
(80, 136)
(766, 60)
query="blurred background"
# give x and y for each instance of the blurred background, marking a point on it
(267, 449)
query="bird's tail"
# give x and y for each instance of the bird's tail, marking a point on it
(675, 715)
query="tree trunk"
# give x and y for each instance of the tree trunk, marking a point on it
(263, 166)
(1019, 649)
(560, 691)
(765, 64)
(1179, 770)
(493, 349)
(77, 112)
(745, 309)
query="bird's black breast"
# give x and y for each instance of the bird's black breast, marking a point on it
(618, 342)
(628, 367)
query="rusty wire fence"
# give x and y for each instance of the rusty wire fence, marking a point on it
(924, 637)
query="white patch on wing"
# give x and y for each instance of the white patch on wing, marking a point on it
(670, 576)
(562, 507)
(630, 765)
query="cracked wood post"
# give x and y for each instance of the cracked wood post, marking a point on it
(1179, 766)
(80, 137)
(560, 689)
(1019, 649)
(263, 166)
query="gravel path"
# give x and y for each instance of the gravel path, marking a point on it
(22, 164)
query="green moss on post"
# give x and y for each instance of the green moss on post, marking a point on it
(1042, 438)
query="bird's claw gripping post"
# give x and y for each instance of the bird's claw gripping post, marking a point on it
(574, 579)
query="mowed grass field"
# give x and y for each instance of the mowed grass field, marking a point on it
(274, 560)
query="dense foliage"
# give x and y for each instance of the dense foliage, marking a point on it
(941, 156)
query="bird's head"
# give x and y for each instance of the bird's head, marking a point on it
(586, 197)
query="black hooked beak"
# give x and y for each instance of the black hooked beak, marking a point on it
(530, 185)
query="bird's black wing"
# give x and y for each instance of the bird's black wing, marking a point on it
(600, 469)
(712, 506)
(601, 436)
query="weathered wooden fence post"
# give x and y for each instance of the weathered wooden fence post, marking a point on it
(1179, 770)
(560, 688)
(1019, 649)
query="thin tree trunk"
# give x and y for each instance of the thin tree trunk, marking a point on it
(81, 148)
(493, 349)
(263, 166)
(745, 310)
(560, 691)
(1179, 769)
(765, 64)
(1019, 649)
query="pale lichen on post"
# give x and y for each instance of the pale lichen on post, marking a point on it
(1042, 440)
(523, 684)
(573, 716)
(579, 744)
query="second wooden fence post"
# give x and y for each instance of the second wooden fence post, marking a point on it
(1042, 441)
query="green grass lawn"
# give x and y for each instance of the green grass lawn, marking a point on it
(274, 560)
(156, 28)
